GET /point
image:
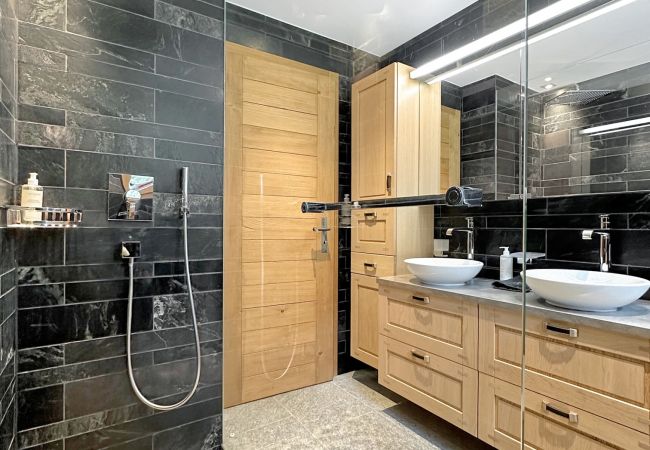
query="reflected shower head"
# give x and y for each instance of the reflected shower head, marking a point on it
(579, 97)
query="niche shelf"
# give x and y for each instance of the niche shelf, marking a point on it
(49, 217)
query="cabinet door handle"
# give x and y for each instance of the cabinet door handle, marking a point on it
(370, 266)
(417, 298)
(370, 216)
(389, 182)
(570, 415)
(424, 358)
(570, 332)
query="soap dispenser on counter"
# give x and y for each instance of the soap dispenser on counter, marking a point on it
(31, 194)
(505, 264)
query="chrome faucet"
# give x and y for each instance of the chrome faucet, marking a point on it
(470, 236)
(605, 248)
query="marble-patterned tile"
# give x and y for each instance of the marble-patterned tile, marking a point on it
(189, 20)
(287, 433)
(374, 431)
(250, 416)
(49, 13)
(364, 385)
(323, 422)
(432, 428)
(304, 402)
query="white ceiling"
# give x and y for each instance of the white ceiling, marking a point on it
(375, 26)
(610, 43)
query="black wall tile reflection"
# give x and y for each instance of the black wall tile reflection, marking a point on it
(8, 179)
(554, 228)
(115, 86)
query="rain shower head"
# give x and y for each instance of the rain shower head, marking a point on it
(579, 97)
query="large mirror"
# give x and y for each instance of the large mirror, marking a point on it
(588, 108)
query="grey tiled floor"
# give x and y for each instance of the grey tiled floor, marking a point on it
(351, 412)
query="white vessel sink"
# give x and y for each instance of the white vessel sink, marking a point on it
(584, 290)
(444, 271)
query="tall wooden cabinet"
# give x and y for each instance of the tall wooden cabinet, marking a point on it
(404, 143)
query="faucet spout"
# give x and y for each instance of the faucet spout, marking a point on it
(605, 244)
(469, 230)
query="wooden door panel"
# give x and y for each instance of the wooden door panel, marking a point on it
(277, 272)
(280, 97)
(271, 184)
(365, 319)
(280, 119)
(278, 293)
(278, 316)
(269, 338)
(277, 250)
(279, 289)
(273, 206)
(279, 140)
(263, 69)
(283, 163)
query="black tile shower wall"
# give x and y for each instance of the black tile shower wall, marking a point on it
(554, 226)
(574, 163)
(134, 87)
(8, 165)
(255, 30)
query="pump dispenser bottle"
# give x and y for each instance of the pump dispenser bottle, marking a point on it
(505, 265)
(31, 194)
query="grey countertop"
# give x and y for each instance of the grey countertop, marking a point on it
(631, 319)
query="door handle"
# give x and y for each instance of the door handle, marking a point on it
(420, 299)
(389, 183)
(323, 229)
(424, 358)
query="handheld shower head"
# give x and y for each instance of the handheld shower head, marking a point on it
(185, 176)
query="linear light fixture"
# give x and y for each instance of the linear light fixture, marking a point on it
(535, 19)
(618, 126)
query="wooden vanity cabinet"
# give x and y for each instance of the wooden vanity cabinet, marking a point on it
(586, 387)
(428, 352)
(404, 143)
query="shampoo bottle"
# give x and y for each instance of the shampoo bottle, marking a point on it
(505, 265)
(31, 194)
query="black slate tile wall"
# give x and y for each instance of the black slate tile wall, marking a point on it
(8, 167)
(554, 228)
(254, 30)
(573, 163)
(118, 86)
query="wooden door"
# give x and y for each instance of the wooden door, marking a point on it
(365, 319)
(279, 287)
(373, 135)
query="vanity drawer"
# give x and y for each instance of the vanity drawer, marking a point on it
(443, 324)
(373, 231)
(601, 371)
(372, 265)
(550, 424)
(440, 386)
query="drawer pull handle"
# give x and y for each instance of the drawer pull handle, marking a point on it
(424, 358)
(370, 266)
(571, 416)
(571, 332)
(417, 298)
(370, 216)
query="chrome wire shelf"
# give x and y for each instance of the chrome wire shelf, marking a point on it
(42, 217)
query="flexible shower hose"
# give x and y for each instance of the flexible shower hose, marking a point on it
(129, 317)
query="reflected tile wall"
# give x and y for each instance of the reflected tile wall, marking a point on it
(554, 228)
(8, 165)
(573, 163)
(119, 86)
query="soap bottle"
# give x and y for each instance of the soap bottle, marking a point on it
(505, 264)
(31, 194)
